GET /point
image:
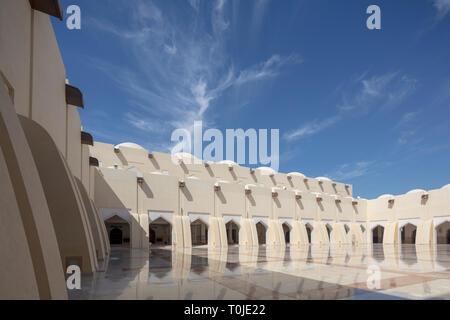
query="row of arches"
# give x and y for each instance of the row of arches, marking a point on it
(160, 232)
(408, 233)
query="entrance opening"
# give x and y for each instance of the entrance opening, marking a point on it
(443, 233)
(287, 233)
(377, 234)
(199, 233)
(116, 236)
(261, 230)
(232, 233)
(160, 232)
(408, 234)
(118, 230)
(309, 231)
(329, 231)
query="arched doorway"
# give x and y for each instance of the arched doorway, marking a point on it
(199, 233)
(118, 230)
(309, 232)
(329, 231)
(232, 233)
(443, 233)
(261, 231)
(116, 236)
(408, 234)
(160, 232)
(377, 234)
(287, 233)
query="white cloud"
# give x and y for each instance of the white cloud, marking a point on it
(267, 69)
(407, 118)
(145, 124)
(260, 7)
(351, 170)
(311, 128)
(170, 49)
(383, 91)
(405, 136)
(442, 7)
(194, 4)
(178, 70)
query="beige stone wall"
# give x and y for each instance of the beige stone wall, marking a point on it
(15, 50)
(227, 189)
(33, 73)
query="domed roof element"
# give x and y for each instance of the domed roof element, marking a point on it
(296, 174)
(130, 145)
(229, 163)
(266, 171)
(416, 191)
(185, 157)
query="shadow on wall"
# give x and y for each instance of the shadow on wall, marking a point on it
(122, 159)
(187, 194)
(110, 200)
(221, 197)
(147, 190)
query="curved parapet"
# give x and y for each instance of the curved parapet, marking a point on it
(178, 239)
(299, 234)
(339, 234)
(104, 233)
(320, 234)
(186, 225)
(356, 234)
(391, 233)
(16, 270)
(425, 233)
(247, 234)
(100, 246)
(33, 211)
(214, 232)
(68, 214)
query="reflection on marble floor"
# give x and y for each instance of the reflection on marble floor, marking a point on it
(310, 272)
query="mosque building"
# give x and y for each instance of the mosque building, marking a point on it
(65, 198)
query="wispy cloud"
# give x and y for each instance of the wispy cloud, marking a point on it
(442, 7)
(178, 71)
(405, 136)
(408, 128)
(260, 7)
(267, 69)
(351, 170)
(364, 94)
(145, 124)
(311, 128)
(194, 4)
(407, 118)
(383, 91)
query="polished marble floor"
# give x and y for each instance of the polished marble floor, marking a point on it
(310, 272)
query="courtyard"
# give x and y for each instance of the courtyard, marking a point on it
(266, 273)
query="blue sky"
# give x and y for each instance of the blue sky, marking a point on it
(366, 107)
